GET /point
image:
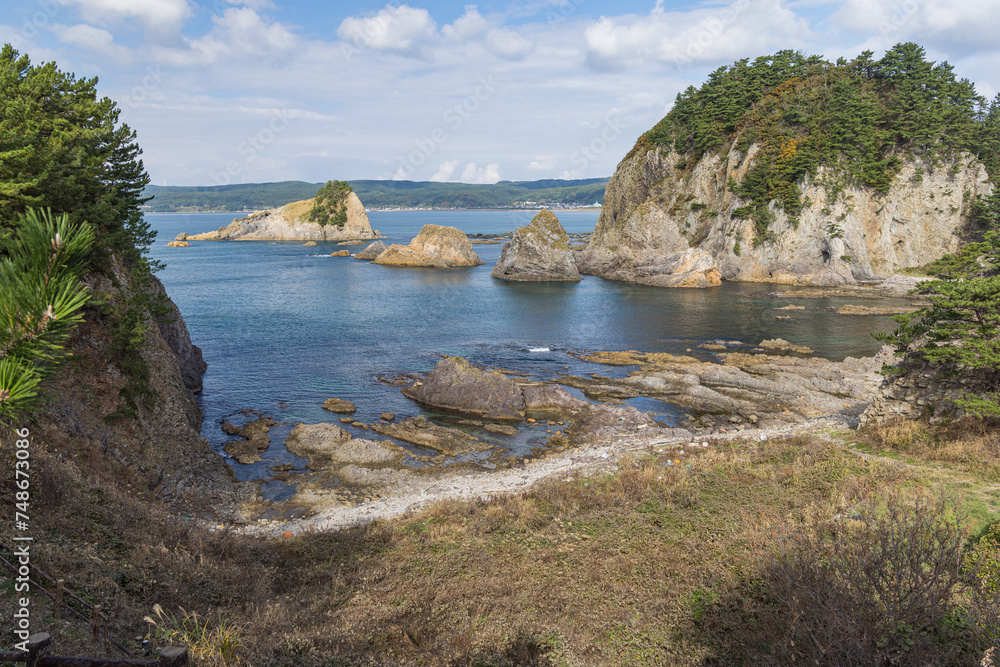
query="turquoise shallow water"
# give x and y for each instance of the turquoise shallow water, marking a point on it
(287, 324)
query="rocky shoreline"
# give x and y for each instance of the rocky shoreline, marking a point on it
(735, 390)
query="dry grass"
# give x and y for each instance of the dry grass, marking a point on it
(613, 569)
(970, 445)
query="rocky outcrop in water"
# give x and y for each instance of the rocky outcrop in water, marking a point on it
(435, 246)
(290, 223)
(748, 387)
(372, 251)
(667, 222)
(457, 385)
(538, 252)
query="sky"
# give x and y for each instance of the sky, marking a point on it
(231, 91)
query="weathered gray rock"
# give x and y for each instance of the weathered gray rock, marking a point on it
(435, 246)
(372, 251)
(777, 388)
(922, 390)
(647, 248)
(656, 205)
(289, 223)
(315, 440)
(457, 385)
(538, 252)
(326, 448)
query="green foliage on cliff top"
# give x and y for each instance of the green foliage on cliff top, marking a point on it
(860, 117)
(330, 204)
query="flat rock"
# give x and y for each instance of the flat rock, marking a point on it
(316, 440)
(419, 431)
(340, 406)
(340, 253)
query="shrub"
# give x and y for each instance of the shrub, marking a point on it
(873, 587)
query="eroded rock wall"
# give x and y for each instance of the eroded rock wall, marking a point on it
(657, 207)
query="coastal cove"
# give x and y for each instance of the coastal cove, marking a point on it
(284, 327)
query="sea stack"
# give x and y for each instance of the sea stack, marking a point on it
(435, 246)
(291, 223)
(538, 252)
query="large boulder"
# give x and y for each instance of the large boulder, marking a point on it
(457, 385)
(538, 252)
(290, 223)
(435, 246)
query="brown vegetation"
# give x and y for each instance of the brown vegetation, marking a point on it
(709, 557)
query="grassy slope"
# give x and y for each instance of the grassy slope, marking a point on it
(630, 566)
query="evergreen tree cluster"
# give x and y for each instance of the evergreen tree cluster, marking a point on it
(856, 117)
(61, 147)
(62, 151)
(330, 205)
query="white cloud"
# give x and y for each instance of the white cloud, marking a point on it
(468, 25)
(505, 43)
(959, 28)
(445, 172)
(702, 36)
(476, 174)
(401, 29)
(91, 38)
(157, 16)
(238, 32)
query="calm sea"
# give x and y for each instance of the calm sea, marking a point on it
(285, 324)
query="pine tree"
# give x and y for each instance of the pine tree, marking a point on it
(41, 302)
(60, 148)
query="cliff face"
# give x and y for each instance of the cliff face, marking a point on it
(289, 223)
(667, 222)
(92, 424)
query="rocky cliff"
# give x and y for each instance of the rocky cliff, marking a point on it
(289, 223)
(123, 408)
(668, 222)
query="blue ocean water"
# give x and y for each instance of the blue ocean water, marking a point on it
(287, 325)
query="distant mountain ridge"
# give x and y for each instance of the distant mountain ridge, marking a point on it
(381, 194)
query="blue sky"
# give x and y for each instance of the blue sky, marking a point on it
(224, 91)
